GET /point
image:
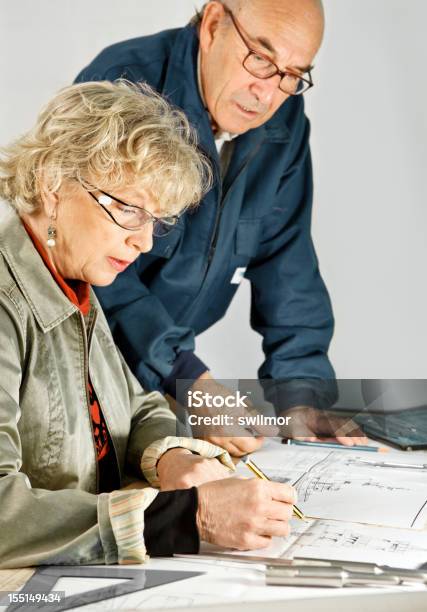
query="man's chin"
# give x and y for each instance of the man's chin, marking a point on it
(234, 127)
(238, 125)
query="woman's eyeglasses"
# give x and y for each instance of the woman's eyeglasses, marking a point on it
(131, 217)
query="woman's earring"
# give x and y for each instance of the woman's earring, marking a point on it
(51, 232)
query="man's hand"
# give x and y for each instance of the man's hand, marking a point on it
(235, 439)
(313, 425)
(244, 514)
(178, 468)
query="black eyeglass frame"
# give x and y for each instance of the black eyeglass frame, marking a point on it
(282, 73)
(159, 221)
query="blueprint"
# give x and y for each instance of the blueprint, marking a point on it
(355, 542)
(344, 541)
(351, 485)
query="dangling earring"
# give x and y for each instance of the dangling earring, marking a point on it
(51, 232)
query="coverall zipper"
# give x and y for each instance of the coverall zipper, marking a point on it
(223, 197)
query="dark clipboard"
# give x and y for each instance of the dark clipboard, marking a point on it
(404, 429)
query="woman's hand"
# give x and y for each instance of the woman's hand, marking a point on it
(178, 468)
(244, 514)
(237, 446)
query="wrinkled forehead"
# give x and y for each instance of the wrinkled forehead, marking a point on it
(274, 25)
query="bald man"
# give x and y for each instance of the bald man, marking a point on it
(239, 71)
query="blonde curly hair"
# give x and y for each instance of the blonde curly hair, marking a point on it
(113, 134)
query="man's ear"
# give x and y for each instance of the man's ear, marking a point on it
(212, 15)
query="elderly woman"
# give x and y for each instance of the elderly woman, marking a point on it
(105, 168)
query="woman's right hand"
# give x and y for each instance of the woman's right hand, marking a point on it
(244, 514)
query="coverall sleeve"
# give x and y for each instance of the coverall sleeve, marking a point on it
(290, 305)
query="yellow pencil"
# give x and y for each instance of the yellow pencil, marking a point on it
(260, 474)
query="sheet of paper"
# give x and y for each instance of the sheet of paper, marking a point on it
(341, 485)
(355, 542)
(277, 548)
(345, 541)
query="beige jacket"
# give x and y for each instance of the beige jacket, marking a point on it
(50, 510)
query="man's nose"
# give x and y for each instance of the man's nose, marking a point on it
(142, 240)
(265, 89)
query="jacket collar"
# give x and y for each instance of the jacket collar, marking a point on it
(181, 88)
(45, 298)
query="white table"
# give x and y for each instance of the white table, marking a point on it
(227, 585)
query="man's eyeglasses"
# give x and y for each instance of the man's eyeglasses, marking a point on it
(131, 217)
(260, 66)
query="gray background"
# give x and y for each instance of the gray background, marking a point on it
(369, 143)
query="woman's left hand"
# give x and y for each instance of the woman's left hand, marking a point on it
(178, 468)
